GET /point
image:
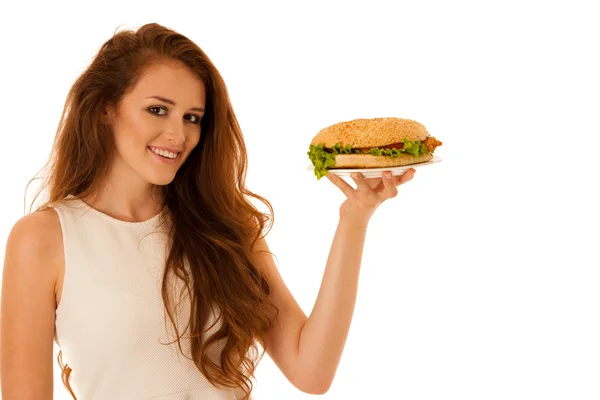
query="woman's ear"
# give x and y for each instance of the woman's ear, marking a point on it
(108, 115)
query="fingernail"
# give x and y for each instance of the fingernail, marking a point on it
(388, 175)
(355, 174)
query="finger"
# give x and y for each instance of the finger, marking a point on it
(375, 183)
(361, 183)
(340, 183)
(405, 177)
(389, 188)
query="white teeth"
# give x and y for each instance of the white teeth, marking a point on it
(164, 153)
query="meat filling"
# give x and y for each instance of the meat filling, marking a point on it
(431, 143)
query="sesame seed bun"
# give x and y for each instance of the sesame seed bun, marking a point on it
(371, 161)
(374, 132)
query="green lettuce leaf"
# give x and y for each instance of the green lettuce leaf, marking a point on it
(323, 159)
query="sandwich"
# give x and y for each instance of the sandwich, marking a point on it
(371, 143)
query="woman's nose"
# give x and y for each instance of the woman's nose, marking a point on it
(175, 134)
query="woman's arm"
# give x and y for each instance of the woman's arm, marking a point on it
(28, 307)
(308, 350)
(324, 334)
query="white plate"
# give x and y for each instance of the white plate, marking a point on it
(376, 172)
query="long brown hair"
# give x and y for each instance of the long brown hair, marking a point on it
(214, 225)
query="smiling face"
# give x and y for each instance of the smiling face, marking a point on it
(158, 125)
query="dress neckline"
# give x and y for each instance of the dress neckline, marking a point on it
(113, 219)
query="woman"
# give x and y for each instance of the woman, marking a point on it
(148, 264)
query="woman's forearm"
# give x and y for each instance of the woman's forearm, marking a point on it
(324, 334)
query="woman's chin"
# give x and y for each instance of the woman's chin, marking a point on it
(161, 180)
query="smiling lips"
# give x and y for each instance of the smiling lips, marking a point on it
(166, 153)
(165, 156)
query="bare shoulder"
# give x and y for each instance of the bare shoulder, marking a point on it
(34, 249)
(38, 225)
(31, 268)
(36, 237)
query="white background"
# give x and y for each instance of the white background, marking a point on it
(481, 279)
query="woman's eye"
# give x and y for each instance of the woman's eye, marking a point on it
(194, 118)
(151, 109)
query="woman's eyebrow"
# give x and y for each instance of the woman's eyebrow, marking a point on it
(199, 109)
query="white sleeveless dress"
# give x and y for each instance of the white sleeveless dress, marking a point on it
(111, 325)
